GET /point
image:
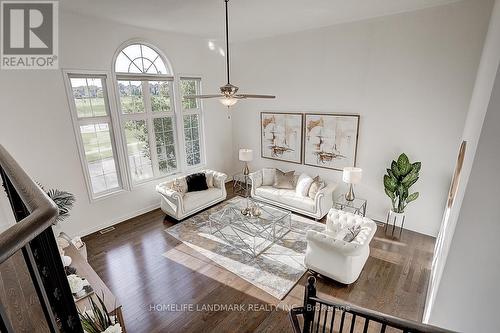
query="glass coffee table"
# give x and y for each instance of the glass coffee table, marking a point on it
(250, 224)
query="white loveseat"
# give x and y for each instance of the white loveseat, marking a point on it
(289, 199)
(330, 255)
(179, 204)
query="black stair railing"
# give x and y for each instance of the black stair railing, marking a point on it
(321, 315)
(32, 235)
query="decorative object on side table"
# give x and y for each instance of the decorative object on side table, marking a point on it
(397, 182)
(351, 176)
(97, 319)
(356, 206)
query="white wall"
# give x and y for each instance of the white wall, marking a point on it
(35, 123)
(480, 100)
(409, 76)
(469, 297)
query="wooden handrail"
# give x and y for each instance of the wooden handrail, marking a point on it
(395, 322)
(43, 211)
(313, 303)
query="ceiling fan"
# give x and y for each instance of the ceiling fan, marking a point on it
(229, 93)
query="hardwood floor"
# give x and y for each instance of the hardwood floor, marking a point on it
(180, 293)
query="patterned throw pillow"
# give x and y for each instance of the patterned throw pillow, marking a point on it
(284, 180)
(179, 185)
(315, 187)
(352, 233)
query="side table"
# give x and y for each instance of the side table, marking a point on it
(357, 206)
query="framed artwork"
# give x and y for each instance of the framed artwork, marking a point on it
(281, 136)
(331, 140)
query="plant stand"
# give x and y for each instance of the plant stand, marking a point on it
(396, 218)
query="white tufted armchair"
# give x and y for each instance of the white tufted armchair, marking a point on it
(330, 255)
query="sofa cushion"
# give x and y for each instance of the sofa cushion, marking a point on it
(284, 180)
(286, 197)
(196, 182)
(194, 200)
(268, 176)
(315, 187)
(303, 184)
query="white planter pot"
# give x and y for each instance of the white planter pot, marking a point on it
(395, 220)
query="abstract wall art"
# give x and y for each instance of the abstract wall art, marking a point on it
(331, 140)
(281, 136)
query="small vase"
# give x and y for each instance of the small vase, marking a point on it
(396, 219)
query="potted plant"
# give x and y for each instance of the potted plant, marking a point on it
(397, 182)
(97, 318)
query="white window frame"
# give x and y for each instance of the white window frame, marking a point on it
(149, 114)
(201, 121)
(110, 118)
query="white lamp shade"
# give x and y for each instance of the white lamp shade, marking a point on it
(352, 175)
(246, 155)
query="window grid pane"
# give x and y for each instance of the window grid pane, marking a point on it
(165, 144)
(160, 96)
(131, 97)
(88, 96)
(192, 139)
(138, 150)
(99, 157)
(189, 87)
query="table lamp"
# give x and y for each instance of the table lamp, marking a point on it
(246, 155)
(351, 175)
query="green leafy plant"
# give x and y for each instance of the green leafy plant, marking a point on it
(398, 180)
(97, 318)
(64, 201)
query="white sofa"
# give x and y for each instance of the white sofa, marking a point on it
(316, 208)
(180, 205)
(330, 255)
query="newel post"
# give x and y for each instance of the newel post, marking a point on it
(309, 304)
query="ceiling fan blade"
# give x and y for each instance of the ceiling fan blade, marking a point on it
(241, 96)
(203, 96)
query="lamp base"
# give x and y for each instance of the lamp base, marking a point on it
(246, 170)
(349, 196)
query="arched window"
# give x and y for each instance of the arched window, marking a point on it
(140, 59)
(147, 112)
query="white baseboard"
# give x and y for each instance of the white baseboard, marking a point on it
(119, 220)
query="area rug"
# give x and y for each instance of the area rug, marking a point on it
(276, 270)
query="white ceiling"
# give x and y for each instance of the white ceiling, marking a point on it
(249, 19)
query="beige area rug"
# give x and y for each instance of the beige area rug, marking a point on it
(276, 270)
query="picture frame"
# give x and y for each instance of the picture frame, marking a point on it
(330, 140)
(281, 136)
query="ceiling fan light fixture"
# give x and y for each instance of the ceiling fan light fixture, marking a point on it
(228, 101)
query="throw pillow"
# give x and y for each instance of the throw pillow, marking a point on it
(316, 185)
(179, 185)
(284, 179)
(303, 184)
(196, 182)
(268, 176)
(210, 179)
(352, 233)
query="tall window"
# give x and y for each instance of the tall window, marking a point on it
(192, 121)
(147, 112)
(91, 114)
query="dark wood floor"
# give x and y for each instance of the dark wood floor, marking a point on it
(130, 261)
